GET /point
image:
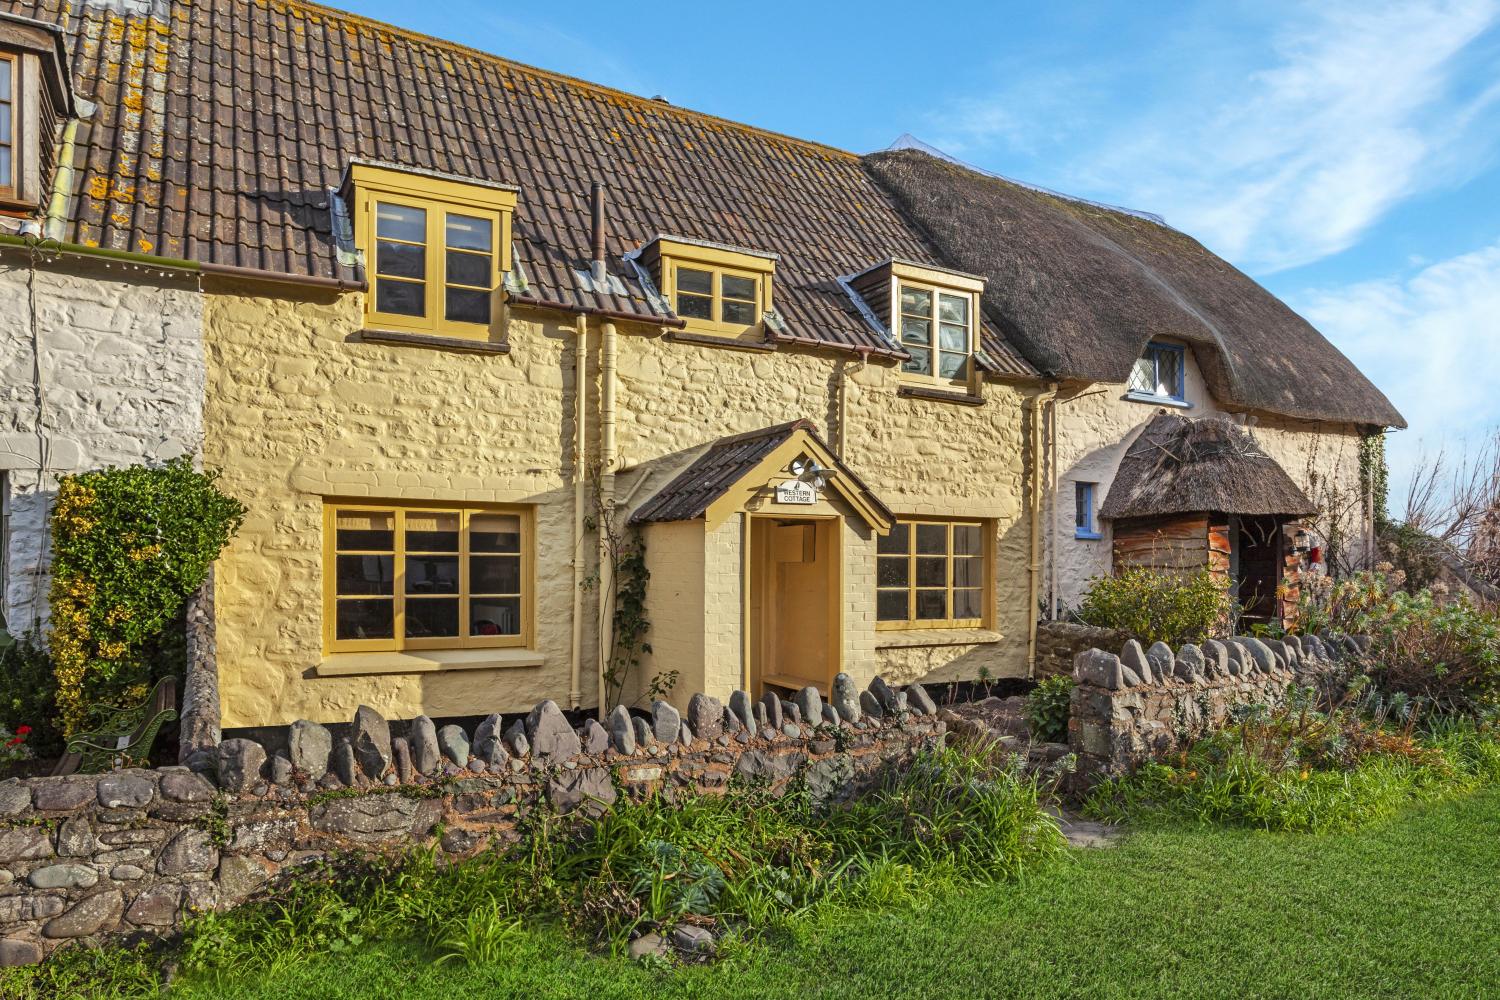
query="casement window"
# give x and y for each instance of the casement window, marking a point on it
(9, 125)
(426, 576)
(727, 300)
(1160, 374)
(936, 327)
(1084, 522)
(932, 574)
(718, 290)
(435, 251)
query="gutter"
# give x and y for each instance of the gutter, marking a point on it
(610, 314)
(99, 253)
(580, 443)
(284, 278)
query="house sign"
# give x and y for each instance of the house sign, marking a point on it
(796, 491)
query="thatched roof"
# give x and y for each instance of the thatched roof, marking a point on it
(1079, 289)
(1182, 466)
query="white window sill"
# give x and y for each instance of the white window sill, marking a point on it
(1146, 397)
(916, 637)
(427, 661)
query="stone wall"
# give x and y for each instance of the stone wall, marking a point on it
(99, 365)
(1059, 643)
(1144, 704)
(134, 852)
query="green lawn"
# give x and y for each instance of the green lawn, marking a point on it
(1401, 909)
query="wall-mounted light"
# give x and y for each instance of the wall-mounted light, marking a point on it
(809, 471)
(1301, 541)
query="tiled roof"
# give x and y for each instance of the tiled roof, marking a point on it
(222, 124)
(726, 462)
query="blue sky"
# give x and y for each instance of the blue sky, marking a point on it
(1345, 154)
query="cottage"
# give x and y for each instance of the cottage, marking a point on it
(537, 389)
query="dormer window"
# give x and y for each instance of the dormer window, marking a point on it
(717, 290)
(34, 95)
(1160, 375)
(932, 313)
(435, 250)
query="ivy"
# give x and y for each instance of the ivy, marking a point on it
(131, 545)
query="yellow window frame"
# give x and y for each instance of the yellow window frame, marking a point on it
(898, 315)
(986, 588)
(399, 552)
(11, 106)
(439, 198)
(718, 262)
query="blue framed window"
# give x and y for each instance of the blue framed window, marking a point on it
(1084, 525)
(1160, 375)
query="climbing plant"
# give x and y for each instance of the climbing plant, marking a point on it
(626, 553)
(130, 546)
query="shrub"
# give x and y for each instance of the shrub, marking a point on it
(28, 694)
(1048, 707)
(1297, 769)
(1443, 651)
(131, 545)
(1155, 606)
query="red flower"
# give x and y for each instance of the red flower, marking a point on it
(22, 730)
(13, 741)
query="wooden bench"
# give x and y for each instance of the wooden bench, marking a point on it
(124, 736)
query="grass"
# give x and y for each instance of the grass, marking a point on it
(1405, 907)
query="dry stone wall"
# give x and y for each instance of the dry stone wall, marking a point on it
(1059, 643)
(135, 852)
(1144, 704)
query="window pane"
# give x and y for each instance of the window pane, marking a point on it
(966, 540)
(401, 222)
(916, 300)
(735, 287)
(968, 572)
(968, 604)
(921, 361)
(738, 312)
(891, 606)
(5, 164)
(427, 617)
(1082, 501)
(932, 538)
(5, 123)
(468, 268)
(1168, 373)
(932, 571)
(495, 616)
(1143, 375)
(898, 541)
(427, 531)
(916, 331)
(698, 282)
(893, 571)
(404, 298)
(5, 65)
(365, 531)
(467, 306)
(365, 575)
(494, 574)
(468, 233)
(932, 605)
(432, 574)
(400, 260)
(365, 619)
(953, 338)
(951, 365)
(695, 306)
(954, 309)
(494, 533)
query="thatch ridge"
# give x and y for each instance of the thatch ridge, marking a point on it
(1183, 466)
(1079, 289)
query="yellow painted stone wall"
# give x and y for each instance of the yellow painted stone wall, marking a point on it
(1096, 424)
(298, 410)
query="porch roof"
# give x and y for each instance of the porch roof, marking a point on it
(1182, 466)
(731, 460)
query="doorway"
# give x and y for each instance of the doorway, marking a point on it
(795, 632)
(1258, 561)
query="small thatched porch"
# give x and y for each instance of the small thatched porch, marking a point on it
(1201, 494)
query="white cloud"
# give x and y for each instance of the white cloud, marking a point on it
(1432, 342)
(1353, 107)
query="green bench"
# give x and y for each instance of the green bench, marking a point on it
(124, 736)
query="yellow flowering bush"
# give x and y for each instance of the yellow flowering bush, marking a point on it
(131, 545)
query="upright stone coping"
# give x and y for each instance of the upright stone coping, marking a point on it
(130, 852)
(1144, 704)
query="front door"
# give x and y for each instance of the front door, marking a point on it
(794, 607)
(1258, 557)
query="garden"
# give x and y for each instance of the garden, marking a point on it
(1340, 841)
